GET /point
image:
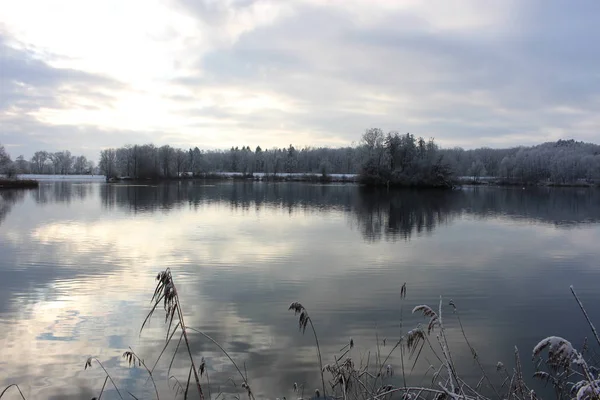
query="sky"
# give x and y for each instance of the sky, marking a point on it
(89, 75)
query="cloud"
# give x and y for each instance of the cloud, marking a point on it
(219, 73)
(26, 77)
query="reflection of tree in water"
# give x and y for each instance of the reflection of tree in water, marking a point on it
(400, 214)
(557, 206)
(62, 192)
(8, 198)
(237, 196)
(378, 214)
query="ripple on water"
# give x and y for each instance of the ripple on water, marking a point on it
(78, 266)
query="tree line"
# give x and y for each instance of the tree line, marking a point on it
(563, 161)
(149, 161)
(47, 163)
(384, 158)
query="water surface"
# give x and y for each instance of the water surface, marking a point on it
(78, 263)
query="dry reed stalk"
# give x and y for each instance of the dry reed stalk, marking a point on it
(132, 359)
(585, 314)
(407, 389)
(446, 348)
(15, 386)
(303, 320)
(166, 292)
(88, 363)
(177, 386)
(402, 298)
(202, 370)
(435, 320)
(473, 352)
(245, 384)
(102, 390)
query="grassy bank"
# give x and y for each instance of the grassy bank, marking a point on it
(571, 372)
(18, 184)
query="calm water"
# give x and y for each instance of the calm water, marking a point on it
(78, 262)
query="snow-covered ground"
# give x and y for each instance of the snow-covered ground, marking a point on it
(63, 177)
(285, 174)
(259, 175)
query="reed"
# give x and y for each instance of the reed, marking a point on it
(570, 372)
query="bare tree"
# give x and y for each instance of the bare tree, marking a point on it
(80, 166)
(166, 155)
(180, 161)
(108, 160)
(5, 160)
(38, 162)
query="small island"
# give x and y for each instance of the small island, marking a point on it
(18, 183)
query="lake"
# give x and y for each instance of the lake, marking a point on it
(78, 263)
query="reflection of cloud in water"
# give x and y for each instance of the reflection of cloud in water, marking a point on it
(81, 282)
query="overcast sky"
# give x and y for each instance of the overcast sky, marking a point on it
(86, 75)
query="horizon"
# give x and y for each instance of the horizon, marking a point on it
(311, 73)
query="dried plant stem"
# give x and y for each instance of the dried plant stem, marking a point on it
(402, 297)
(446, 349)
(318, 354)
(147, 370)
(131, 394)
(103, 386)
(244, 378)
(408, 389)
(379, 373)
(187, 344)
(402, 362)
(475, 393)
(208, 384)
(187, 385)
(302, 323)
(585, 314)
(13, 385)
(361, 383)
(165, 347)
(109, 377)
(474, 353)
(166, 291)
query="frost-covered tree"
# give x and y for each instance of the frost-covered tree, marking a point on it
(5, 160)
(564, 161)
(166, 156)
(108, 162)
(477, 170)
(403, 160)
(180, 161)
(22, 166)
(39, 162)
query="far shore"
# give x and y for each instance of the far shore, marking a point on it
(32, 181)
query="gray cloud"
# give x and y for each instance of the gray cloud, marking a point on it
(25, 134)
(327, 64)
(29, 83)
